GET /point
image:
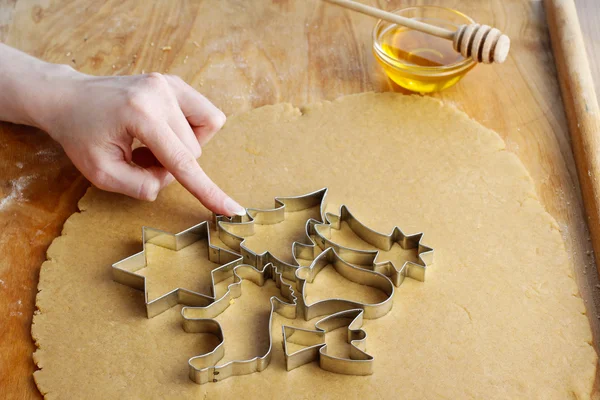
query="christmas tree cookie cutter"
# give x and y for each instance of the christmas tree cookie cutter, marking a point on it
(125, 271)
(233, 232)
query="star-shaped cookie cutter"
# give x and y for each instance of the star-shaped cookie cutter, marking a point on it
(320, 234)
(125, 270)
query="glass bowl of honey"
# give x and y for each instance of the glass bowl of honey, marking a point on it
(417, 61)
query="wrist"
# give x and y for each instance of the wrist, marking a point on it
(51, 94)
(32, 91)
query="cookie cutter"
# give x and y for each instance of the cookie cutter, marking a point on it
(341, 313)
(356, 265)
(359, 361)
(320, 234)
(234, 233)
(307, 274)
(204, 368)
(125, 271)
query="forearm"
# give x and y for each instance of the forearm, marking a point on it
(31, 90)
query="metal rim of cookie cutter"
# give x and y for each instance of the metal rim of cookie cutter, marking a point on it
(356, 265)
(203, 368)
(125, 271)
(315, 348)
(320, 234)
(233, 232)
(339, 311)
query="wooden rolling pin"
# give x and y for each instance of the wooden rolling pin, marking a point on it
(581, 105)
(482, 43)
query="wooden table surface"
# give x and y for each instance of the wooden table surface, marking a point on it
(244, 54)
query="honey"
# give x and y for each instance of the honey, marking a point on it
(417, 61)
(418, 48)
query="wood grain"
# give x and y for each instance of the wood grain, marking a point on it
(589, 19)
(581, 105)
(243, 55)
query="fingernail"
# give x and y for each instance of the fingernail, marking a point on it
(234, 208)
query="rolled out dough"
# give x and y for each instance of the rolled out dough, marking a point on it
(498, 317)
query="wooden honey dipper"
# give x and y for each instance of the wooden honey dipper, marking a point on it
(482, 43)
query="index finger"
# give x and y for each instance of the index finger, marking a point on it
(180, 162)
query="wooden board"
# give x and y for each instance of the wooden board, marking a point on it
(589, 17)
(241, 55)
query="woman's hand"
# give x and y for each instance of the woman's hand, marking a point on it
(101, 117)
(96, 120)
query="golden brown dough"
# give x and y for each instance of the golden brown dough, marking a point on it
(498, 317)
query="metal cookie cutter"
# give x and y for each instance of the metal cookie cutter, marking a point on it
(356, 265)
(341, 313)
(320, 233)
(203, 368)
(125, 270)
(233, 233)
(359, 362)
(353, 274)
